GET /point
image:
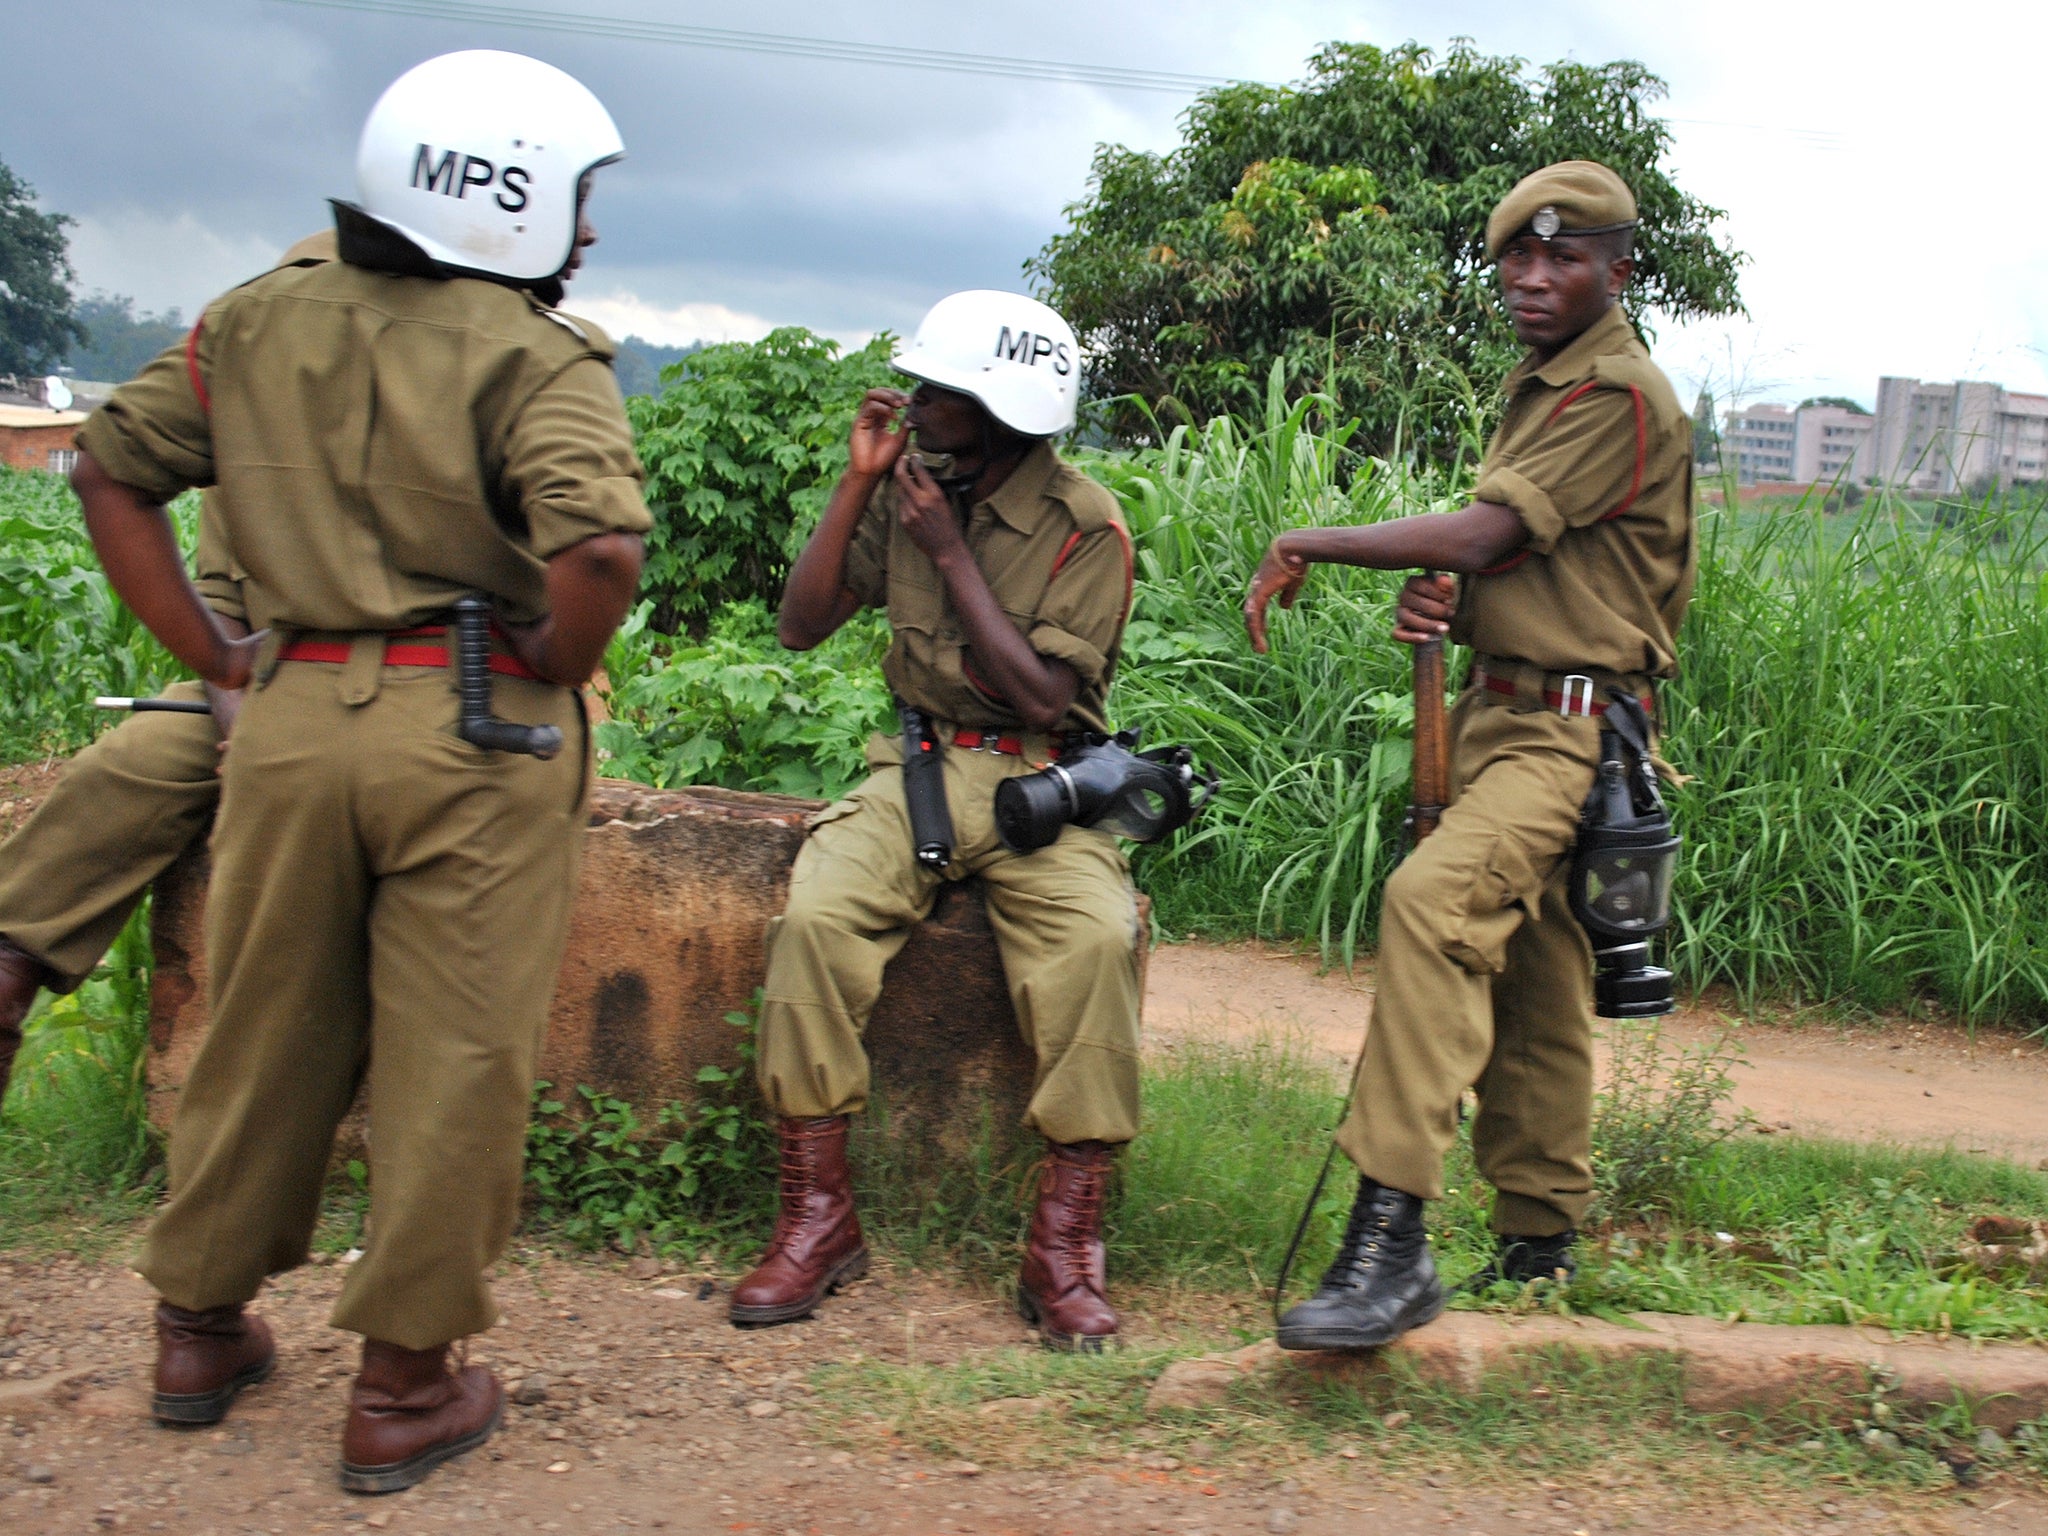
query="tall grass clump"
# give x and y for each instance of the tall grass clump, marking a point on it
(77, 1154)
(64, 636)
(1859, 704)
(1311, 740)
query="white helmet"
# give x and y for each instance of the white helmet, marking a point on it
(475, 156)
(1013, 354)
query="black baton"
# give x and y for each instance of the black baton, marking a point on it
(154, 706)
(924, 790)
(479, 727)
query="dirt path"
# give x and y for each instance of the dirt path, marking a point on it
(1908, 1082)
(652, 1413)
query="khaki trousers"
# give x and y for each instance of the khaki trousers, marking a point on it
(124, 808)
(1485, 980)
(1065, 921)
(384, 896)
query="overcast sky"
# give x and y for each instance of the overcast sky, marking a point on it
(1883, 175)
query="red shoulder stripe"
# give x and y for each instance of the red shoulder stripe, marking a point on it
(1130, 562)
(1578, 394)
(192, 367)
(1635, 485)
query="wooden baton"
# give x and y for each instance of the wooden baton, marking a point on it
(1431, 780)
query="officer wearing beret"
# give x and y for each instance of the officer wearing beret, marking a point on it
(125, 808)
(1576, 557)
(387, 434)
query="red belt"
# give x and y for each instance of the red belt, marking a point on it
(1009, 746)
(1573, 703)
(398, 655)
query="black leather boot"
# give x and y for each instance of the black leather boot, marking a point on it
(1521, 1260)
(1381, 1284)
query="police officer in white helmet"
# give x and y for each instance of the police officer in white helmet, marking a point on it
(1006, 575)
(388, 435)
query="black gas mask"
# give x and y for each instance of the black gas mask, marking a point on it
(1622, 870)
(1104, 783)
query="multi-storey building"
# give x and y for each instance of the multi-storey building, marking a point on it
(1760, 439)
(1828, 445)
(1966, 436)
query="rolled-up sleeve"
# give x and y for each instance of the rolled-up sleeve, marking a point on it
(152, 433)
(569, 461)
(1586, 465)
(1081, 620)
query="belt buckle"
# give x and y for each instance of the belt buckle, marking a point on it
(1583, 692)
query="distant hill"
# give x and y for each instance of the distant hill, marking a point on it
(639, 364)
(118, 341)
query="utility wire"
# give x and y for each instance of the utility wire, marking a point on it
(845, 51)
(1110, 77)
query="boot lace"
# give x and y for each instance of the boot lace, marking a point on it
(798, 1179)
(1080, 1215)
(1371, 1221)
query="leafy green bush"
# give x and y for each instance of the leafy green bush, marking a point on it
(737, 710)
(742, 448)
(64, 636)
(704, 1171)
(1660, 1115)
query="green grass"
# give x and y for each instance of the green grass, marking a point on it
(1608, 1430)
(64, 637)
(78, 1161)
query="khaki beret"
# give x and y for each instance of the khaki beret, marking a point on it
(1573, 197)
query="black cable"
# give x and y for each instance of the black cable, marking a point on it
(1109, 77)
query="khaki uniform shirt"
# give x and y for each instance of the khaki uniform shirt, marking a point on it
(1054, 550)
(1595, 457)
(382, 444)
(213, 567)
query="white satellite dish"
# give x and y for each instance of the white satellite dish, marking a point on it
(56, 393)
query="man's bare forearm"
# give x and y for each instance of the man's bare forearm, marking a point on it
(1468, 540)
(814, 601)
(591, 586)
(138, 549)
(1039, 689)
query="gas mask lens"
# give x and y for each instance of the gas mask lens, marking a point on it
(1622, 871)
(1102, 783)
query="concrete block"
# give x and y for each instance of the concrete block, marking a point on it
(665, 940)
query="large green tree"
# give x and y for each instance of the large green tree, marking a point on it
(38, 315)
(1336, 227)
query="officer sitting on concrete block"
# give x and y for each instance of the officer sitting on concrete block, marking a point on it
(125, 808)
(395, 438)
(1006, 575)
(1578, 558)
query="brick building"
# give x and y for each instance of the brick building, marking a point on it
(36, 437)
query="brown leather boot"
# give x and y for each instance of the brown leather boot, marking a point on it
(817, 1246)
(1061, 1289)
(203, 1359)
(408, 1413)
(22, 975)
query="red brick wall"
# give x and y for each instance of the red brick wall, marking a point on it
(29, 447)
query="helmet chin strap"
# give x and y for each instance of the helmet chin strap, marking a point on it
(959, 484)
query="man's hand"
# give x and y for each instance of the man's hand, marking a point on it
(926, 513)
(1423, 611)
(873, 447)
(1279, 575)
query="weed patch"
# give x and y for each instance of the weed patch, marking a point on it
(78, 1159)
(698, 1176)
(1612, 1429)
